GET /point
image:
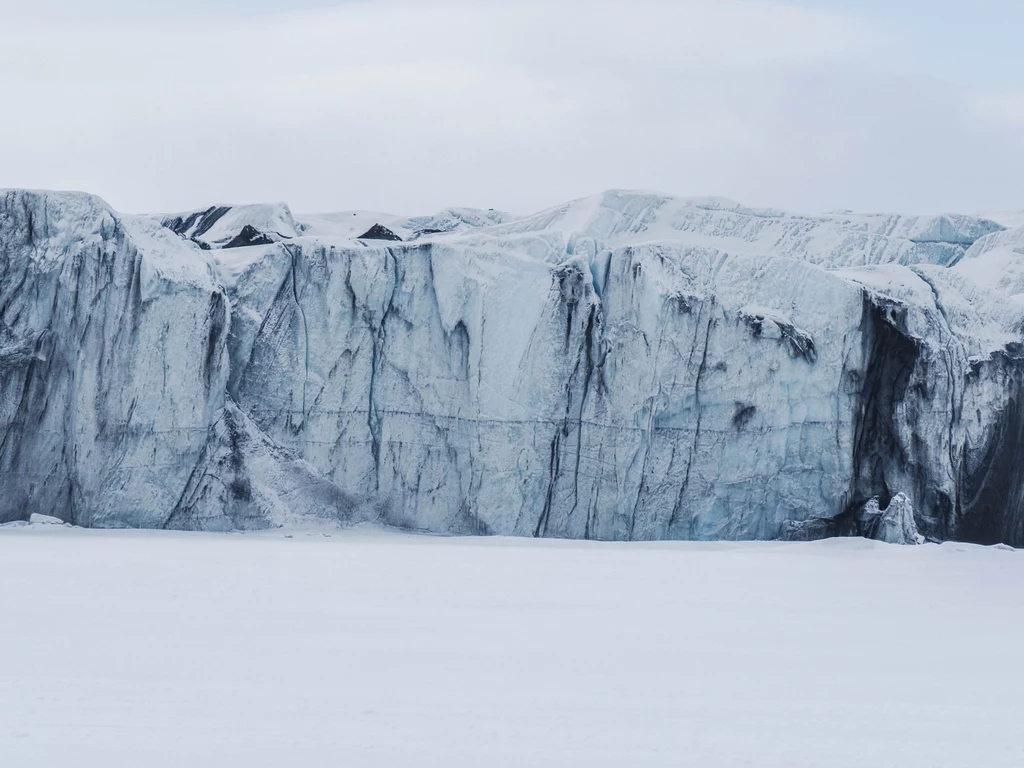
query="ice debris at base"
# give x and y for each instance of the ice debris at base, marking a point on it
(39, 519)
(628, 366)
(894, 524)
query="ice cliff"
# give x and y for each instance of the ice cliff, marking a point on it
(628, 366)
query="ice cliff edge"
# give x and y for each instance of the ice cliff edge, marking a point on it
(627, 366)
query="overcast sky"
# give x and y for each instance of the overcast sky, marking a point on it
(409, 106)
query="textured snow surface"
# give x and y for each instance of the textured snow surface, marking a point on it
(622, 217)
(996, 261)
(352, 224)
(369, 649)
(629, 366)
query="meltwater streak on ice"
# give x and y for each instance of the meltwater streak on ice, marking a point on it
(628, 366)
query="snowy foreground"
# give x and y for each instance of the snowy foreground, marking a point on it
(127, 648)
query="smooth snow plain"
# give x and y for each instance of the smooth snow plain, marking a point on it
(369, 648)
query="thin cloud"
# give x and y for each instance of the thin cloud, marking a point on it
(413, 106)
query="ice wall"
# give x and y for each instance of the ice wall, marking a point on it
(630, 366)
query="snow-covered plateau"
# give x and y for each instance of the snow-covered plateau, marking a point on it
(378, 649)
(630, 366)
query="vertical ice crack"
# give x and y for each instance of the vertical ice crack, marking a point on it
(955, 398)
(588, 339)
(696, 431)
(373, 419)
(305, 328)
(572, 417)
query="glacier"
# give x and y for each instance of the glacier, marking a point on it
(629, 366)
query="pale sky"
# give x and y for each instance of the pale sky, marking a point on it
(407, 106)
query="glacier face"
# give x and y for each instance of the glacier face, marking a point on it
(628, 366)
(103, 413)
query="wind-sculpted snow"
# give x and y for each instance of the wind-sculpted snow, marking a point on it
(996, 261)
(350, 224)
(630, 366)
(832, 240)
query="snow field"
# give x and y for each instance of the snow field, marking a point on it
(361, 648)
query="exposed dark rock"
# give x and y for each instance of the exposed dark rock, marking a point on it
(197, 224)
(379, 232)
(249, 236)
